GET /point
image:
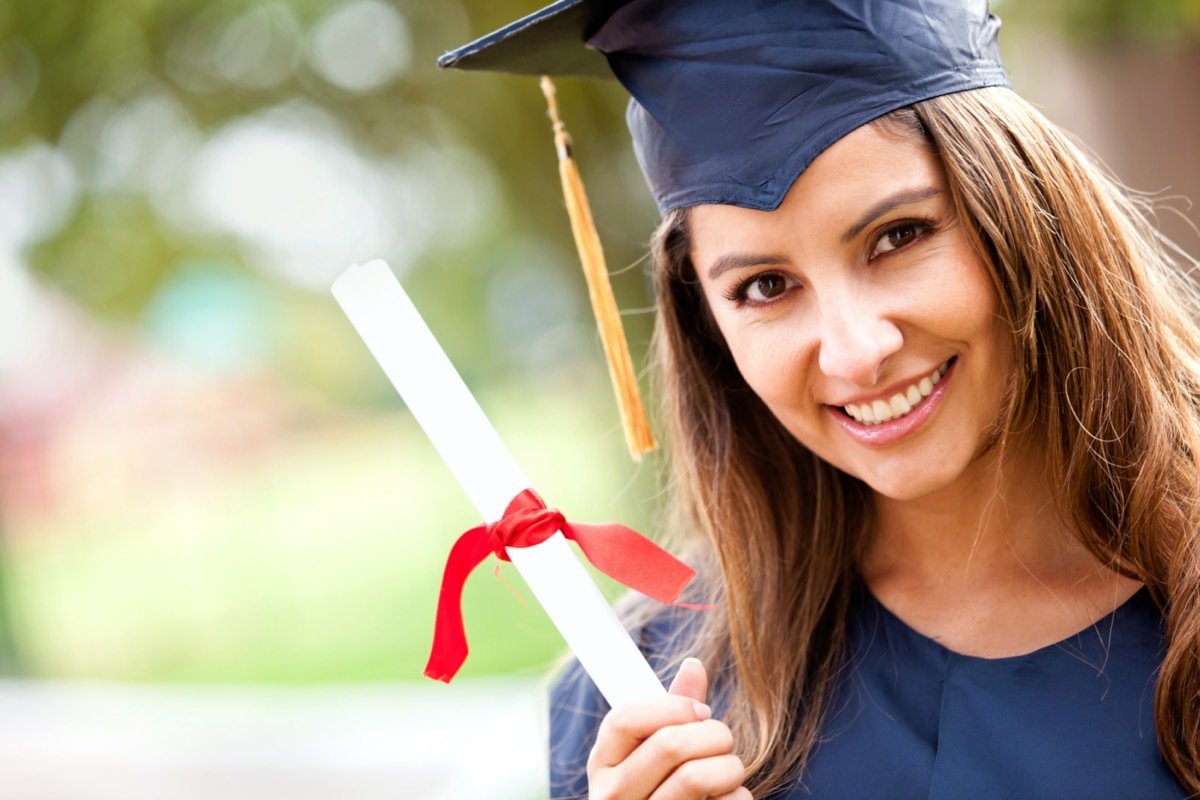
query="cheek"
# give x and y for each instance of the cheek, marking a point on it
(956, 300)
(981, 316)
(770, 359)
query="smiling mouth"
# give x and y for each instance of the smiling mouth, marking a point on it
(898, 405)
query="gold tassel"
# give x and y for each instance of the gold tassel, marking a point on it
(638, 435)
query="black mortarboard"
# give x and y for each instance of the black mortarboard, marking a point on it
(732, 100)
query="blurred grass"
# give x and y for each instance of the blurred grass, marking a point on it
(319, 562)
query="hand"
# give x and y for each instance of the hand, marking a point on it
(667, 749)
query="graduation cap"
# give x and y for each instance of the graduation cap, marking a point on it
(732, 99)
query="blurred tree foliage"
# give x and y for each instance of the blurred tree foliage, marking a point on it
(118, 98)
(10, 654)
(69, 70)
(1130, 21)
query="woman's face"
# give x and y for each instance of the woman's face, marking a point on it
(861, 316)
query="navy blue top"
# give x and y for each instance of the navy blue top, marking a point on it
(915, 720)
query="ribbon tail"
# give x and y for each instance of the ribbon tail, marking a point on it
(449, 637)
(627, 556)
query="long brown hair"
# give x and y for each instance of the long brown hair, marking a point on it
(1106, 372)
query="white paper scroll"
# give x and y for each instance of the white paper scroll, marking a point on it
(435, 394)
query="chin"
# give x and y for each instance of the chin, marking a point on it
(908, 486)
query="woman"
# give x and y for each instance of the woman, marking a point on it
(933, 406)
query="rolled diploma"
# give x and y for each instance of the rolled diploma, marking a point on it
(394, 332)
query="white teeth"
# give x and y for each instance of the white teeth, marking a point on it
(900, 404)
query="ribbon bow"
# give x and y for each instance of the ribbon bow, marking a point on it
(616, 550)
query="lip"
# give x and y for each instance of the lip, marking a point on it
(885, 433)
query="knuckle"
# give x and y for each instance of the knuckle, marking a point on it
(603, 785)
(721, 735)
(737, 771)
(740, 793)
(727, 771)
(727, 776)
(614, 720)
(613, 729)
(602, 792)
(669, 743)
(690, 778)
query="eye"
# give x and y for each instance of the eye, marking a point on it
(899, 236)
(762, 289)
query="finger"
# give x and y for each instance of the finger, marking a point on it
(672, 750)
(691, 680)
(740, 793)
(625, 728)
(703, 778)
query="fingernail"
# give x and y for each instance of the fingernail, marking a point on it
(703, 712)
(693, 659)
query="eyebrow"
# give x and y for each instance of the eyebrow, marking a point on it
(901, 198)
(738, 260)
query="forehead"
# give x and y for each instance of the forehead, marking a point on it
(870, 163)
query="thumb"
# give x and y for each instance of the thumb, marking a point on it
(691, 680)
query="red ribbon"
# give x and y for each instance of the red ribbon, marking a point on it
(619, 552)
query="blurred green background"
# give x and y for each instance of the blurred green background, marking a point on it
(204, 477)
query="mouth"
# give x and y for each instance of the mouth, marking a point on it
(900, 404)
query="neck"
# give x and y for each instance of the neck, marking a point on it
(997, 523)
(988, 567)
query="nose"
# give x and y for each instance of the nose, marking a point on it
(856, 338)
